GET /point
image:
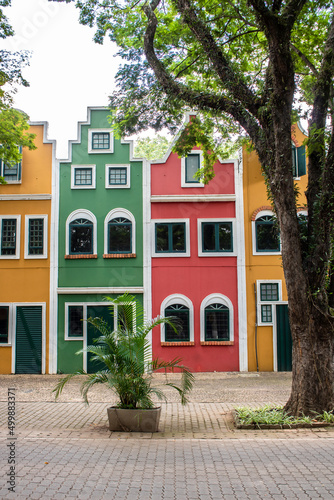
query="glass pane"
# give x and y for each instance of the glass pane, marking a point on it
(181, 315)
(117, 176)
(83, 177)
(36, 238)
(81, 236)
(178, 232)
(119, 238)
(217, 322)
(209, 237)
(225, 236)
(101, 140)
(267, 238)
(269, 291)
(161, 233)
(75, 321)
(192, 165)
(12, 173)
(4, 320)
(8, 237)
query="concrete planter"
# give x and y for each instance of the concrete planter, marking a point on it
(138, 420)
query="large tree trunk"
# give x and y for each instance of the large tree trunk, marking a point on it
(312, 365)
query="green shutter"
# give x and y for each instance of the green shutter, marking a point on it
(284, 340)
(28, 339)
(301, 161)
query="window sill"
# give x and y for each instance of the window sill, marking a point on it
(217, 342)
(119, 255)
(177, 344)
(81, 256)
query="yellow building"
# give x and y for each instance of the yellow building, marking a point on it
(26, 256)
(268, 333)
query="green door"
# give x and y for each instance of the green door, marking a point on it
(28, 339)
(107, 315)
(284, 340)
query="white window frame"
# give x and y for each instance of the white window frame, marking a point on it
(187, 236)
(75, 186)
(217, 298)
(92, 131)
(11, 310)
(117, 186)
(177, 298)
(185, 184)
(44, 255)
(267, 302)
(18, 236)
(114, 214)
(255, 252)
(200, 238)
(81, 213)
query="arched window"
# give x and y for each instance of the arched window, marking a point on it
(181, 309)
(266, 235)
(119, 233)
(216, 319)
(81, 233)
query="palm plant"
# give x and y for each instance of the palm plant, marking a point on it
(124, 353)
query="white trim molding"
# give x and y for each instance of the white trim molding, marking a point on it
(201, 253)
(217, 298)
(194, 184)
(25, 197)
(263, 213)
(83, 186)
(17, 236)
(204, 198)
(178, 298)
(187, 237)
(113, 214)
(118, 186)
(81, 213)
(98, 290)
(92, 131)
(44, 255)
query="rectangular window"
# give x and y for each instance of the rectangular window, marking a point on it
(269, 292)
(217, 237)
(11, 174)
(83, 177)
(192, 166)
(4, 324)
(117, 176)
(8, 236)
(100, 140)
(36, 237)
(75, 321)
(170, 237)
(266, 313)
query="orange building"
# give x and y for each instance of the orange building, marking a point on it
(268, 333)
(27, 254)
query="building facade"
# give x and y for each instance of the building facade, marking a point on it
(26, 257)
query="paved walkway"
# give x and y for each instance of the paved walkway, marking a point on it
(65, 450)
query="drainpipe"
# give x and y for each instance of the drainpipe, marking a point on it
(256, 354)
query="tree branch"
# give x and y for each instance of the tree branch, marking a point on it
(304, 59)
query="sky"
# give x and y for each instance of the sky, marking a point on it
(68, 71)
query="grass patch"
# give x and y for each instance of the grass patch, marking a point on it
(276, 416)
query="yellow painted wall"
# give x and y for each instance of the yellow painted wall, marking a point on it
(261, 267)
(28, 280)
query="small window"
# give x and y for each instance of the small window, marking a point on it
(217, 237)
(36, 237)
(266, 313)
(217, 322)
(192, 167)
(170, 237)
(117, 176)
(100, 140)
(83, 177)
(4, 324)
(81, 236)
(181, 315)
(8, 236)
(75, 321)
(119, 236)
(267, 235)
(11, 174)
(269, 292)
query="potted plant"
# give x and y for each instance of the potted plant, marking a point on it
(127, 368)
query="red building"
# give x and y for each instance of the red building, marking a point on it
(197, 263)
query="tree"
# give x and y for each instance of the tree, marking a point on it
(151, 148)
(252, 66)
(13, 123)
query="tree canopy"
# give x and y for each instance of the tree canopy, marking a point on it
(251, 68)
(152, 148)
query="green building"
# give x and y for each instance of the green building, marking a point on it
(101, 247)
